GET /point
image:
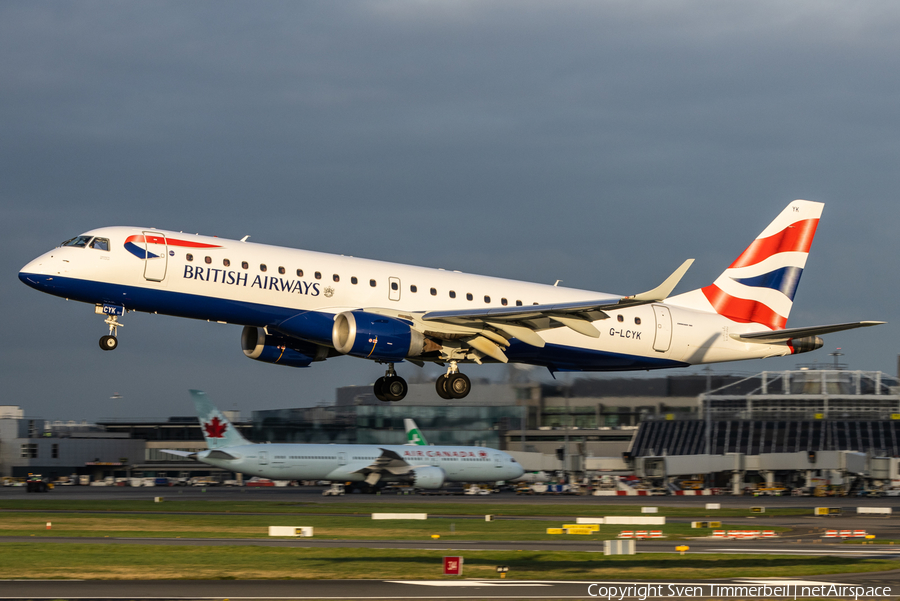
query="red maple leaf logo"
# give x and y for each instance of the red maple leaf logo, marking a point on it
(215, 428)
(482, 454)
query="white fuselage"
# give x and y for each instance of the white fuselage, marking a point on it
(249, 284)
(348, 462)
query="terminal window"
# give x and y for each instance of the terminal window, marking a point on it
(29, 450)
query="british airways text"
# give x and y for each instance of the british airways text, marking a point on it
(236, 278)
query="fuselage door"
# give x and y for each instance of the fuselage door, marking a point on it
(342, 458)
(156, 256)
(663, 337)
(264, 458)
(394, 289)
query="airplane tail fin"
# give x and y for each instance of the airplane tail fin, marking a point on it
(218, 431)
(758, 287)
(413, 436)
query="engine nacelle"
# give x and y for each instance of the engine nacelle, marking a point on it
(428, 476)
(805, 345)
(373, 336)
(280, 350)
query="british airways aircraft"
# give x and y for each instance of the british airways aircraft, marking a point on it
(297, 307)
(368, 466)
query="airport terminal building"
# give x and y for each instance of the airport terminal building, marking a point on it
(786, 426)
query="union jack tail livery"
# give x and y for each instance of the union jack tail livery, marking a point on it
(759, 286)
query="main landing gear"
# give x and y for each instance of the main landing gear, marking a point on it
(391, 387)
(110, 342)
(453, 385)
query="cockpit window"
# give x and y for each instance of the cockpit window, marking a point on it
(79, 241)
(100, 243)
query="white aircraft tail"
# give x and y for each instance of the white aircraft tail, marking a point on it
(759, 286)
(413, 435)
(218, 431)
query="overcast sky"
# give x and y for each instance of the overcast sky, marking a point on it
(600, 143)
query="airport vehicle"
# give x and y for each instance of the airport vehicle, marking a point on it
(413, 435)
(365, 466)
(298, 307)
(37, 483)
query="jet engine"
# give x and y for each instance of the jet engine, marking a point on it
(428, 476)
(805, 345)
(280, 350)
(373, 336)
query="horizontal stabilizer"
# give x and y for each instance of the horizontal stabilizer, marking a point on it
(190, 454)
(792, 333)
(217, 454)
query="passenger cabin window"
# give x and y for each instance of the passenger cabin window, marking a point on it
(372, 283)
(518, 303)
(100, 244)
(189, 257)
(281, 270)
(468, 296)
(353, 280)
(336, 278)
(245, 265)
(262, 267)
(619, 318)
(318, 275)
(207, 260)
(78, 241)
(299, 273)
(503, 302)
(434, 292)
(637, 321)
(452, 294)
(395, 286)
(413, 288)
(226, 262)
(487, 298)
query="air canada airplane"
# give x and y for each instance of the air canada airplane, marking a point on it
(297, 307)
(368, 466)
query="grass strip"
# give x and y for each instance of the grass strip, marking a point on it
(154, 525)
(142, 562)
(362, 504)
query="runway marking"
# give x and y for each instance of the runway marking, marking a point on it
(451, 583)
(776, 581)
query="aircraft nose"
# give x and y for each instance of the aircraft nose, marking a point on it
(35, 273)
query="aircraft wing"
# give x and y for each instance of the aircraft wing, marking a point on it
(488, 330)
(792, 333)
(389, 461)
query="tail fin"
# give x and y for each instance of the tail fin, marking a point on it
(413, 436)
(758, 287)
(218, 431)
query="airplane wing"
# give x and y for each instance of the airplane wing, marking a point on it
(767, 336)
(489, 330)
(389, 461)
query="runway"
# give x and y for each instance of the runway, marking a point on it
(448, 589)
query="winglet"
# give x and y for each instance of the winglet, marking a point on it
(662, 292)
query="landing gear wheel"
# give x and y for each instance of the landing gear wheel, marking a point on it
(378, 389)
(394, 388)
(440, 385)
(109, 343)
(458, 385)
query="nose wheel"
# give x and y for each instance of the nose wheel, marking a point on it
(391, 387)
(110, 342)
(454, 384)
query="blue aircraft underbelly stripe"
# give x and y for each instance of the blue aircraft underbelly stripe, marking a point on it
(310, 325)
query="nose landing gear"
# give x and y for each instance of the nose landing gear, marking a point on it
(453, 385)
(391, 387)
(110, 342)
